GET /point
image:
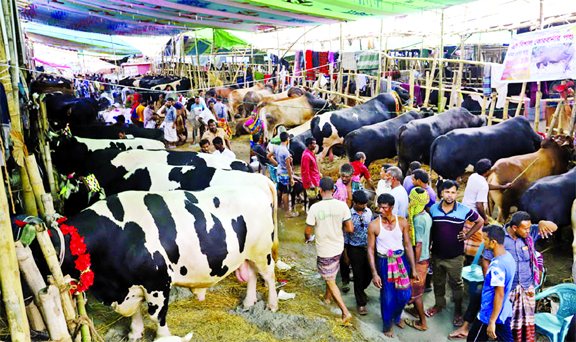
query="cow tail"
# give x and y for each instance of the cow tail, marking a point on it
(275, 241)
(432, 150)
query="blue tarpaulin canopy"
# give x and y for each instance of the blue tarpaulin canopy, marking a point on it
(78, 40)
(169, 17)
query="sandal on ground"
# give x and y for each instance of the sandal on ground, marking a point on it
(412, 312)
(458, 321)
(459, 336)
(414, 324)
(431, 312)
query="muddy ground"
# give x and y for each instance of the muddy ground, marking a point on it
(304, 318)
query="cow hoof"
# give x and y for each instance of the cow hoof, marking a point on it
(249, 303)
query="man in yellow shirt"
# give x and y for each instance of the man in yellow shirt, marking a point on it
(213, 132)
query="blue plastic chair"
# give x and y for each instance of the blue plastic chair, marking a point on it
(472, 274)
(555, 327)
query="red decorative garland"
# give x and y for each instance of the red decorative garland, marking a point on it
(78, 248)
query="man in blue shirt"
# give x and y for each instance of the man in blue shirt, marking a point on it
(493, 321)
(355, 248)
(519, 238)
(282, 159)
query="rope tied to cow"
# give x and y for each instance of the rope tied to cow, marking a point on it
(523, 172)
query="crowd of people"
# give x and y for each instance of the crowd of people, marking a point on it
(417, 232)
(414, 233)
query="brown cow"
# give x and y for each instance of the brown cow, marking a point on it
(291, 112)
(552, 158)
(564, 116)
(252, 99)
(237, 96)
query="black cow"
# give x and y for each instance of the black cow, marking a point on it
(378, 141)
(551, 198)
(298, 145)
(67, 109)
(451, 153)
(46, 83)
(99, 131)
(142, 243)
(414, 139)
(329, 129)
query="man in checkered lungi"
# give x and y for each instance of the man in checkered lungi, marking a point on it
(520, 235)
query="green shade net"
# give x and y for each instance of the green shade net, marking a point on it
(220, 38)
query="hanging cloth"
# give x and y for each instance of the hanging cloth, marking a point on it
(323, 57)
(297, 63)
(309, 66)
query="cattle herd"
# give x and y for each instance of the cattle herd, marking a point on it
(160, 218)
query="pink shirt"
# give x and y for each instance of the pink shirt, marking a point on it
(309, 169)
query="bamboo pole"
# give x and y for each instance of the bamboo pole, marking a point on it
(559, 107)
(197, 59)
(35, 181)
(484, 101)
(10, 275)
(492, 106)
(537, 114)
(54, 317)
(54, 266)
(411, 81)
(505, 111)
(428, 59)
(359, 99)
(379, 58)
(441, 69)
(340, 76)
(29, 269)
(572, 121)
(522, 93)
(85, 329)
(427, 94)
(35, 317)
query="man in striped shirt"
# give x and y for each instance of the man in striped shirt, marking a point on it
(448, 219)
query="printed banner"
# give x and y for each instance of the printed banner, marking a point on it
(541, 55)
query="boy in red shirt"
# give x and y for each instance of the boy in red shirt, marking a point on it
(360, 170)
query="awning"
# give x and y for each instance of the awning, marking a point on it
(78, 40)
(168, 17)
(207, 39)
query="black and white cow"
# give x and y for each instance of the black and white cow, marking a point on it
(329, 129)
(378, 141)
(551, 198)
(414, 139)
(453, 152)
(121, 144)
(110, 166)
(113, 132)
(143, 243)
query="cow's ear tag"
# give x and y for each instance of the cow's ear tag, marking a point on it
(28, 234)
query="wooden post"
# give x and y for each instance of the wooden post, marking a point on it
(35, 181)
(522, 93)
(379, 58)
(484, 101)
(559, 107)
(537, 115)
